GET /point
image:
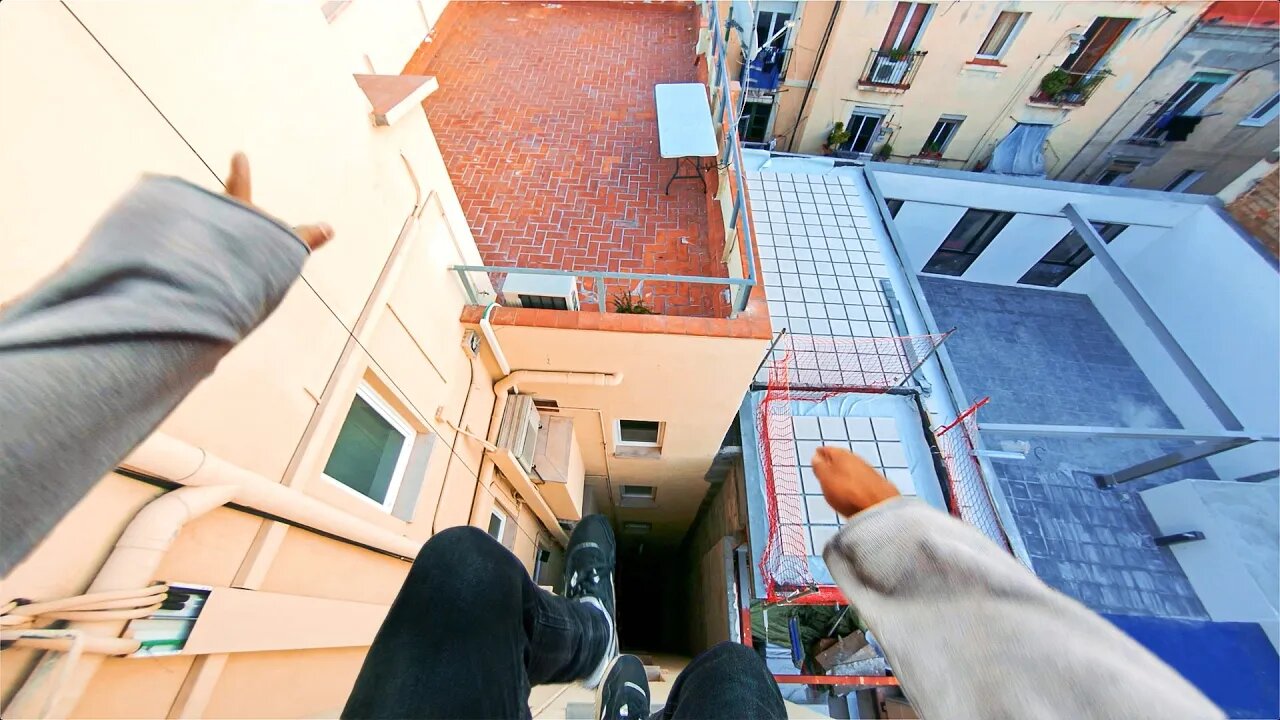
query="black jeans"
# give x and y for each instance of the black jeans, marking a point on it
(470, 634)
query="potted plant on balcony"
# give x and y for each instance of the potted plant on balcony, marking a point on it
(931, 150)
(837, 137)
(1056, 82)
(883, 153)
(899, 54)
(628, 303)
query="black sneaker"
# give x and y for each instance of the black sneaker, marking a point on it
(588, 578)
(624, 694)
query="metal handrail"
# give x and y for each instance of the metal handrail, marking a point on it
(598, 275)
(731, 158)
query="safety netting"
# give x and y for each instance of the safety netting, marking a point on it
(968, 493)
(804, 370)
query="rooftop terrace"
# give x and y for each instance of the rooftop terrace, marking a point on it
(545, 117)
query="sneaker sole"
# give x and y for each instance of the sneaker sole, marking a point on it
(612, 652)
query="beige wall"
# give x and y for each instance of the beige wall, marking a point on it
(275, 80)
(694, 384)
(991, 99)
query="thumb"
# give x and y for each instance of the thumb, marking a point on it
(314, 236)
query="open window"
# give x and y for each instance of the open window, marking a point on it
(371, 456)
(638, 438)
(966, 241)
(638, 496)
(1001, 35)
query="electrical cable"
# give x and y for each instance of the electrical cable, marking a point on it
(350, 333)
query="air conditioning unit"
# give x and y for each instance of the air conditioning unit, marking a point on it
(888, 72)
(543, 292)
(519, 430)
(557, 463)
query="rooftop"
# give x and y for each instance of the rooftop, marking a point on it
(545, 117)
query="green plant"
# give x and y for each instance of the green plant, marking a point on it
(626, 302)
(884, 152)
(1055, 82)
(897, 54)
(838, 136)
(932, 149)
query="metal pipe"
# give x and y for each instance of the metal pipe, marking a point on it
(494, 347)
(132, 563)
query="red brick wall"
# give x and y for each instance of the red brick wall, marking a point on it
(1256, 211)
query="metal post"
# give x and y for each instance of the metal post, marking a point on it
(932, 350)
(1169, 460)
(1091, 238)
(466, 284)
(600, 293)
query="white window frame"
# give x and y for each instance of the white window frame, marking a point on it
(384, 409)
(1265, 118)
(617, 434)
(1008, 41)
(651, 492)
(1186, 179)
(906, 21)
(955, 120)
(498, 512)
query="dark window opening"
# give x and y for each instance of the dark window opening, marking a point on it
(966, 241)
(1069, 255)
(895, 205)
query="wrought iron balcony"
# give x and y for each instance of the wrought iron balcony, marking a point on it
(1067, 87)
(892, 68)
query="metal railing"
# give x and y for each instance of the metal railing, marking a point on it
(1068, 87)
(892, 68)
(594, 287)
(730, 159)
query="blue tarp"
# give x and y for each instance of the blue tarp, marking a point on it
(1021, 152)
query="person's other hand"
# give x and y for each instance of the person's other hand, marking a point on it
(240, 187)
(848, 482)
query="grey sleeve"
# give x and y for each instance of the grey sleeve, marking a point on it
(971, 633)
(95, 357)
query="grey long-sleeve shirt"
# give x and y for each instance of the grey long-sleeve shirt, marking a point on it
(95, 357)
(971, 633)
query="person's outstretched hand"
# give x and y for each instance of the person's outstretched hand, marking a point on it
(848, 482)
(240, 187)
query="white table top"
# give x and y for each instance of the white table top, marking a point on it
(684, 121)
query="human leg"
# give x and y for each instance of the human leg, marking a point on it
(727, 681)
(470, 633)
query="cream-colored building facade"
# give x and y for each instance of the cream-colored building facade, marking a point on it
(302, 567)
(944, 83)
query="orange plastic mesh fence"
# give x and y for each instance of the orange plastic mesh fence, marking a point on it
(805, 370)
(968, 495)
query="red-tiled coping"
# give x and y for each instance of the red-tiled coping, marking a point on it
(746, 325)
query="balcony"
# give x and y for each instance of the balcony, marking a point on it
(1067, 88)
(559, 174)
(891, 69)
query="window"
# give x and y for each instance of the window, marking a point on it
(1264, 113)
(540, 564)
(863, 126)
(1098, 41)
(754, 123)
(943, 131)
(638, 496)
(1185, 179)
(906, 26)
(636, 528)
(497, 524)
(643, 433)
(771, 29)
(1194, 95)
(966, 241)
(895, 205)
(1067, 256)
(372, 450)
(1117, 173)
(543, 302)
(1001, 35)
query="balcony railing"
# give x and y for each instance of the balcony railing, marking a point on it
(1067, 87)
(892, 68)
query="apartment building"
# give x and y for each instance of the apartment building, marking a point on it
(945, 84)
(1220, 83)
(1104, 407)
(523, 317)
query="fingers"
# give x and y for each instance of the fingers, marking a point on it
(849, 484)
(238, 182)
(314, 235)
